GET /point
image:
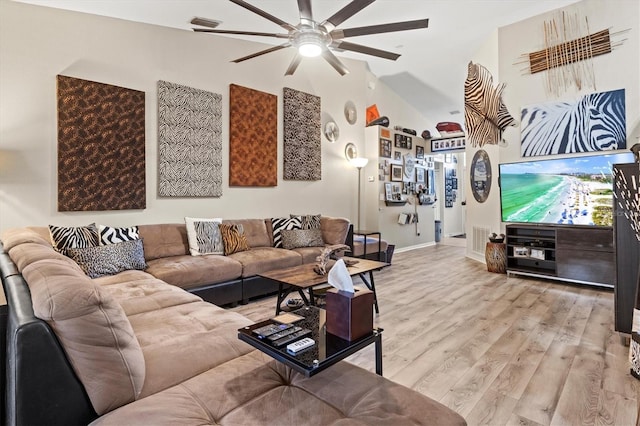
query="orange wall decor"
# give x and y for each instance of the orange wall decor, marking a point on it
(253, 137)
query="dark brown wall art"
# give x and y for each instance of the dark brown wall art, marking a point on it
(101, 146)
(302, 127)
(253, 137)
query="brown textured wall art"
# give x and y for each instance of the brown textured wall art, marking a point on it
(253, 137)
(302, 148)
(101, 146)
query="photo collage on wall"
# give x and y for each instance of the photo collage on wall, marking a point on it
(450, 187)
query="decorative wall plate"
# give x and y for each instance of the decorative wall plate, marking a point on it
(331, 131)
(350, 151)
(480, 176)
(350, 112)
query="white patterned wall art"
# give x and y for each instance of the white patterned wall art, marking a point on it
(302, 135)
(190, 141)
(594, 122)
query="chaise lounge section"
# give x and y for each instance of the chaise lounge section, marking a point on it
(130, 348)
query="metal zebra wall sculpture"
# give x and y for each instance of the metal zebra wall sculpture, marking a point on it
(485, 115)
(595, 122)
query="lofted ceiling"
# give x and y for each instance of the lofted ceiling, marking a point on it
(430, 73)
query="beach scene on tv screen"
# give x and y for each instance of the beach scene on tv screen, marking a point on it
(572, 191)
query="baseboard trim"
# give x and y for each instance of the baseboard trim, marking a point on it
(417, 246)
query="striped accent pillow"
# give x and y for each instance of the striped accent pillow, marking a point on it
(281, 223)
(66, 237)
(233, 238)
(204, 236)
(308, 221)
(109, 235)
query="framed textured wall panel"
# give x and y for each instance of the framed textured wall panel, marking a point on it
(253, 137)
(101, 146)
(302, 154)
(594, 122)
(189, 141)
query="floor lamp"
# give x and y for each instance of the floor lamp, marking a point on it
(359, 163)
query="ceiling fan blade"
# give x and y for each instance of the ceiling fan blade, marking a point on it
(345, 13)
(262, 52)
(334, 62)
(204, 22)
(345, 45)
(294, 64)
(382, 28)
(250, 33)
(264, 14)
(304, 6)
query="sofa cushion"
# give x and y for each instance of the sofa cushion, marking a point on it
(93, 330)
(28, 253)
(204, 236)
(109, 259)
(278, 224)
(294, 238)
(183, 340)
(66, 237)
(264, 259)
(111, 235)
(13, 237)
(334, 230)
(254, 389)
(255, 231)
(194, 271)
(164, 240)
(309, 254)
(308, 221)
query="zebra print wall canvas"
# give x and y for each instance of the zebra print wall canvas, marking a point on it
(594, 122)
(302, 155)
(190, 141)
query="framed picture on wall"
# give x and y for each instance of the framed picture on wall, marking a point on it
(388, 191)
(396, 173)
(397, 155)
(385, 148)
(419, 152)
(420, 175)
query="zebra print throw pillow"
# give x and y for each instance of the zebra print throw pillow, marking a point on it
(308, 221)
(280, 223)
(204, 236)
(109, 259)
(233, 238)
(66, 237)
(109, 235)
(295, 238)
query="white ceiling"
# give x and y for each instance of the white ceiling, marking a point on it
(430, 73)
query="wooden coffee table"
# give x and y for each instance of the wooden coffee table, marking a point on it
(303, 277)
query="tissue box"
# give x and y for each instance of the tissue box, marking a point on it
(349, 315)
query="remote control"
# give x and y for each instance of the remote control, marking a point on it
(270, 329)
(300, 345)
(281, 334)
(291, 337)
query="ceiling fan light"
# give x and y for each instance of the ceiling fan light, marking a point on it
(310, 49)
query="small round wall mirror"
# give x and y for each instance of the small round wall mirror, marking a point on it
(350, 112)
(350, 151)
(331, 131)
(480, 175)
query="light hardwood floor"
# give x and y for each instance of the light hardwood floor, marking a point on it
(498, 350)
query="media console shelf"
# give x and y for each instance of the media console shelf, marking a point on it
(579, 254)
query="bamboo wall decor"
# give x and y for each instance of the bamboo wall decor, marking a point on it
(568, 52)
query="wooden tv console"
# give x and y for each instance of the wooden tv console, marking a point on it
(580, 254)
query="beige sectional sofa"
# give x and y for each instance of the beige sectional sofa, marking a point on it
(130, 349)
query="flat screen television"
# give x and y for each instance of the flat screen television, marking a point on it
(569, 191)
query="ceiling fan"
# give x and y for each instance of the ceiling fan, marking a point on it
(314, 38)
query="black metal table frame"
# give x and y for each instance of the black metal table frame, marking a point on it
(365, 234)
(284, 289)
(290, 360)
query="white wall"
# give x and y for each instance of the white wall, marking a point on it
(619, 69)
(37, 43)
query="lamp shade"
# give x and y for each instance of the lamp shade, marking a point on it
(359, 162)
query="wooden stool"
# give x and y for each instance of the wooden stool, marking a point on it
(496, 256)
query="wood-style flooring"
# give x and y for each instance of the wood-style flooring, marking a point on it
(498, 350)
